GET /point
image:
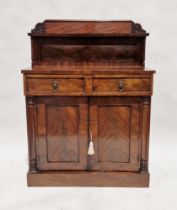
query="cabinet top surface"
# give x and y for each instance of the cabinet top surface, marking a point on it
(72, 71)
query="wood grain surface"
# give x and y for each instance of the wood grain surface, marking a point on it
(88, 85)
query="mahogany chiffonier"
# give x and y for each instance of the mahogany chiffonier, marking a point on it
(88, 100)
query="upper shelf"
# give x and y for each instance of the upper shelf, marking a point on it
(88, 43)
(88, 28)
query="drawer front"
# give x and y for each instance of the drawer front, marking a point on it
(122, 86)
(54, 86)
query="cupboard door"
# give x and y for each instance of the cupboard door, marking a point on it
(115, 129)
(62, 133)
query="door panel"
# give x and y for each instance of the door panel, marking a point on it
(114, 124)
(113, 133)
(62, 133)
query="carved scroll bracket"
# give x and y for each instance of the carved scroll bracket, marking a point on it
(39, 28)
(137, 28)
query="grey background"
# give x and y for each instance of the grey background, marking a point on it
(17, 18)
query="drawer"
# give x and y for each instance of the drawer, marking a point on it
(54, 86)
(122, 86)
